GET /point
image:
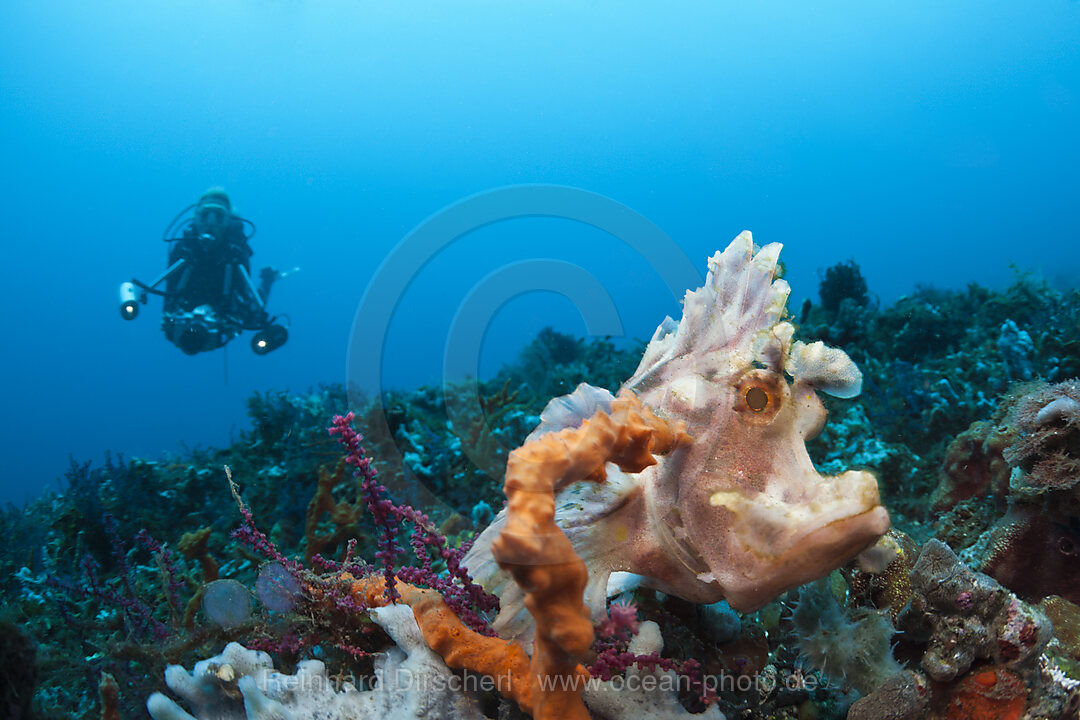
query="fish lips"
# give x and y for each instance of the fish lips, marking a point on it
(772, 545)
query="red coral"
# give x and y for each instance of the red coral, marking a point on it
(990, 694)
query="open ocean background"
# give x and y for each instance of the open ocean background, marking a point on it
(933, 143)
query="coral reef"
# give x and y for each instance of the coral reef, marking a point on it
(410, 682)
(18, 671)
(843, 281)
(937, 361)
(241, 684)
(110, 576)
(965, 616)
(1026, 462)
(982, 651)
(57, 548)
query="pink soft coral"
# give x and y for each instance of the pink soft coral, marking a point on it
(621, 622)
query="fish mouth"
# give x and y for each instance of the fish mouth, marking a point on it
(815, 555)
(772, 545)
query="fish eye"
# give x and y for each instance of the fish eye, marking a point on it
(759, 395)
(757, 399)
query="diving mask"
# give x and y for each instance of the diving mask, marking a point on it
(211, 218)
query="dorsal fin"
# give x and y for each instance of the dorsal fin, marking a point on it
(569, 411)
(734, 312)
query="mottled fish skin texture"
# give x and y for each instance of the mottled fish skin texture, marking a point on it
(741, 513)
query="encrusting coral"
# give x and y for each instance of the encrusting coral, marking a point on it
(1046, 453)
(982, 651)
(1028, 461)
(966, 616)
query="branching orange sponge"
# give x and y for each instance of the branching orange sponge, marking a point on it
(460, 647)
(540, 558)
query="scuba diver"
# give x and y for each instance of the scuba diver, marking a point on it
(209, 295)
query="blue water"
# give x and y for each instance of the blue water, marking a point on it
(932, 142)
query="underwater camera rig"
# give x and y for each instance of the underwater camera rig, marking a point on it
(202, 328)
(208, 325)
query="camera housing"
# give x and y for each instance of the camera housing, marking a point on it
(198, 330)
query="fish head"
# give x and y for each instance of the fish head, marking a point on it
(743, 509)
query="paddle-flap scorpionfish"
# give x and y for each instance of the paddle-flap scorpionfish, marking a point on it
(741, 513)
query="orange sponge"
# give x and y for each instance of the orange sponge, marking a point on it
(540, 558)
(460, 647)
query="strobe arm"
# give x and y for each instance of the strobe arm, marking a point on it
(250, 285)
(270, 335)
(134, 292)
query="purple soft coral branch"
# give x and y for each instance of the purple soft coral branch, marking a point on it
(250, 535)
(137, 615)
(387, 517)
(168, 564)
(116, 545)
(455, 597)
(612, 662)
(384, 513)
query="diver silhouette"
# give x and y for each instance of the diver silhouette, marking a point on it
(209, 296)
